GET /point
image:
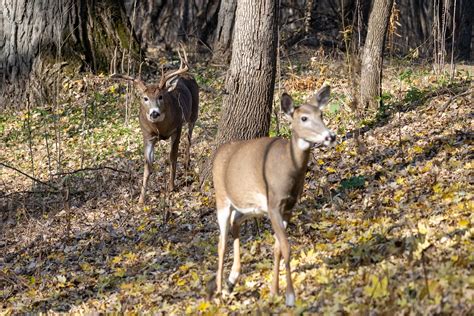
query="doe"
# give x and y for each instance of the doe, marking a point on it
(266, 176)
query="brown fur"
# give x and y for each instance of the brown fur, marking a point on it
(266, 175)
(179, 106)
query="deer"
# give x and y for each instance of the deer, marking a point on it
(165, 107)
(266, 176)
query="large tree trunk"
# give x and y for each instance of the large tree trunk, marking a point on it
(372, 58)
(466, 27)
(247, 105)
(71, 34)
(161, 24)
(225, 27)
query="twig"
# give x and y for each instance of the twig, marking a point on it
(24, 192)
(451, 99)
(28, 176)
(91, 169)
(13, 279)
(33, 245)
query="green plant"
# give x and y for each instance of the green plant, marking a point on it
(413, 94)
(352, 183)
(406, 76)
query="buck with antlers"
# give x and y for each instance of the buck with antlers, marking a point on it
(164, 109)
(266, 176)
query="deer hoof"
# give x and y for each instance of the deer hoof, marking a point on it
(290, 300)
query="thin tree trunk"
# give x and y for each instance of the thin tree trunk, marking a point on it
(372, 58)
(416, 19)
(225, 27)
(247, 105)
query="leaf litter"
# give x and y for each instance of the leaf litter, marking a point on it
(388, 230)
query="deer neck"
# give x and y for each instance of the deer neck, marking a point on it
(299, 153)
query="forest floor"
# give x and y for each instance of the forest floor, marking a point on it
(382, 228)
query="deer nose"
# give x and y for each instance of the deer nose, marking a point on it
(154, 114)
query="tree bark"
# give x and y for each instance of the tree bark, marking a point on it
(247, 104)
(466, 27)
(225, 27)
(160, 25)
(372, 58)
(77, 35)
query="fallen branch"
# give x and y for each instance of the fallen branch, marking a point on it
(4, 195)
(91, 169)
(454, 97)
(28, 176)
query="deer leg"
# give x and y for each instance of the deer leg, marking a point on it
(276, 267)
(188, 145)
(174, 157)
(149, 157)
(235, 231)
(223, 218)
(279, 227)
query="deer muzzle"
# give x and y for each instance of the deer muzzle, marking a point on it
(155, 115)
(329, 138)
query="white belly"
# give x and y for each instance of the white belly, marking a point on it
(258, 207)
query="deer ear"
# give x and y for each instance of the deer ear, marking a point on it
(287, 104)
(137, 82)
(322, 96)
(140, 85)
(171, 84)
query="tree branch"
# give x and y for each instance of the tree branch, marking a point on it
(28, 176)
(451, 99)
(91, 169)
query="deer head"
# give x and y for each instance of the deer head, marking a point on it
(155, 98)
(307, 119)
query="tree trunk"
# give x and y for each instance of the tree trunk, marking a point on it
(465, 32)
(372, 58)
(73, 35)
(207, 18)
(247, 105)
(311, 21)
(160, 25)
(225, 27)
(416, 19)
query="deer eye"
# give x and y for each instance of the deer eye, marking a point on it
(145, 99)
(304, 118)
(160, 97)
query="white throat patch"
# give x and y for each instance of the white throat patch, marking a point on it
(302, 144)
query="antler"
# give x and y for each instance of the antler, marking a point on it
(168, 76)
(138, 82)
(124, 77)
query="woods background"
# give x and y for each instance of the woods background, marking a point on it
(90, 34)
(384, 224)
